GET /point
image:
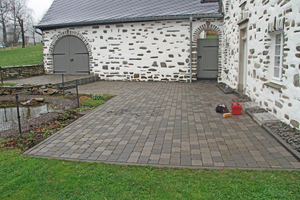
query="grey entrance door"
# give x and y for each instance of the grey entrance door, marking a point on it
(208, 53)
(70, 56)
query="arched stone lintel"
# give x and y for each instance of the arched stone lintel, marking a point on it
(57, 37)
(206, 26)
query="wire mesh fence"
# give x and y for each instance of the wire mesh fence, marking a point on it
(29, 115)
(30, 118)
(16, 117)
(7, 118)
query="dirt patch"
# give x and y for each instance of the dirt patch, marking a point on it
(37, 129)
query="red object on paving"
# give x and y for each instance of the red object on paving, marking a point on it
(236, 108)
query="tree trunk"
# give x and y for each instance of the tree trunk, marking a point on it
(4, 33)
(21, 23)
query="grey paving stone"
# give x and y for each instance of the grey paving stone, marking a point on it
(178, 120)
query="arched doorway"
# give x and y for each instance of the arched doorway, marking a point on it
(208, 55)
(70, 56)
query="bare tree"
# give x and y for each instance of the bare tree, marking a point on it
(4, 11)
(15, 20)
(21, 14)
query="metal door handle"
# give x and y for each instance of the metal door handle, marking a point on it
(199, 56)
(71, 59)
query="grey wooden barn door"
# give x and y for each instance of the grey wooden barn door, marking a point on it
(208, 54)
(70, 56)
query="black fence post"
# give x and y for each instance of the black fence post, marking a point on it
(18, 113)
(77, 93)
(1, 75)
(63, 84)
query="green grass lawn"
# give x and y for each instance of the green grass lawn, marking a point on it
(38, 178)
(21, 56)
(7, 84)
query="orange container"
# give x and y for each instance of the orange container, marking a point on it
(236, 108)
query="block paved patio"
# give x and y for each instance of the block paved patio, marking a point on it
(166, 124)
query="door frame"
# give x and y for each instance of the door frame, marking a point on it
(206, 25)
(243, 55)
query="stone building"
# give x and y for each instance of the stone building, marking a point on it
(134, 40)
(262, 53)
(257, 50)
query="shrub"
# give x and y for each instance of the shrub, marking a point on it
(67, 115)
(102, 96)
(83, 98)
(98, 97)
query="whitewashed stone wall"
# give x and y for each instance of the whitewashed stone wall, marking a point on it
(284, 101)
(142, 51)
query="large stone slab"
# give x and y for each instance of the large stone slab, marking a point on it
(262, 118)
(249, 105)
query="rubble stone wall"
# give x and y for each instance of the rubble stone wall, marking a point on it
(264, 18)
(141, 51)
(22, 71)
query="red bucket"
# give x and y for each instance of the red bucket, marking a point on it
(236, 108)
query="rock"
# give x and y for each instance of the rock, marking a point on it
(36, 100)
(51, 91)
(26, 103)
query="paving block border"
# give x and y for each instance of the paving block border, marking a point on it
(161, 166)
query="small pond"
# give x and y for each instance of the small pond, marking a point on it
(9, 116)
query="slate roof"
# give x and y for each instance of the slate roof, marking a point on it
(88, 12)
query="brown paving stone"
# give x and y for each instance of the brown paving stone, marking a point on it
(166, 124)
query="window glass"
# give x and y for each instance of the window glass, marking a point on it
(278, 39)
(276, 72)
(278, 56)
(277, 50)
(277, 61)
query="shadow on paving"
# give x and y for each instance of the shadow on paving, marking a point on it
(166, 124)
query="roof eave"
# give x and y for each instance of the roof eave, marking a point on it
(140, 19)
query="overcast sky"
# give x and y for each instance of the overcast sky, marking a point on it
(39, 7)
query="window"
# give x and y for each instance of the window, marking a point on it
(278, 56)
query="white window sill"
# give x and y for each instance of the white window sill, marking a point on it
(275, 85)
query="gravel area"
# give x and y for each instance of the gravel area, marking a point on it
(225, 88)
(242, 98)
(59, 104)
(288, 134)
